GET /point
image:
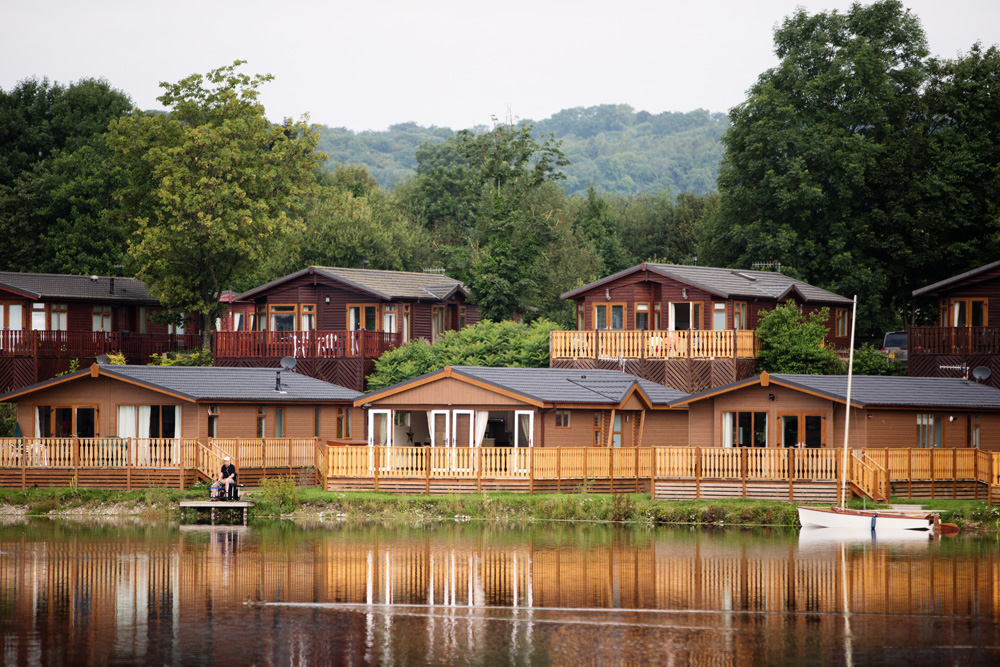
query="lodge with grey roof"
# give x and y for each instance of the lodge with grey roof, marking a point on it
(689, 327)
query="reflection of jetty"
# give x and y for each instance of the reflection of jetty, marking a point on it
(218, 506)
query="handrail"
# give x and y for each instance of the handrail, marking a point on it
(954, 340)
(325, 344)
(655, 344)
(91, 344)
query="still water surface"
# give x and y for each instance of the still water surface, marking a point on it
(124, 592)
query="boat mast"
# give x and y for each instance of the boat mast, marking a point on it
(847, 411)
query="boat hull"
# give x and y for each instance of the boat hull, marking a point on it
(863, 520)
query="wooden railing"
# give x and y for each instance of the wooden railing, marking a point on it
(954, 340)
(267, 452)
(869, 477)
(304, 344)
(154, 453)
(698, 344)
(91, 344)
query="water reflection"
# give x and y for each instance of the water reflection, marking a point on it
(124, 591)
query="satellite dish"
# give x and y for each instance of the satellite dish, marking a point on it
(981, 373)
(104, 360)
(288, 363)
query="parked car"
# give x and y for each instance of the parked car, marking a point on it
(895, 344)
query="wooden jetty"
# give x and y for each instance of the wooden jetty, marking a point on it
(216, 505)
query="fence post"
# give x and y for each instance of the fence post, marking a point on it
(791, 474)
(697, 473)
(933, 474)
(743, 469)
(479, 469)
(954, 474)
(909, 472)
(559, 470)
(377, 463)
(289, 456)
(428, 462)
(531, 470)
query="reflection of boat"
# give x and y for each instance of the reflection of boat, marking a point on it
(878, 521)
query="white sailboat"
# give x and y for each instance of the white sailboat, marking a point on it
(848, 520)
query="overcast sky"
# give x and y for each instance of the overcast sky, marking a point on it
(453, 63)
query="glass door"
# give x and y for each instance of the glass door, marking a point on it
(462, 439)
(524, 433)
(440, 439)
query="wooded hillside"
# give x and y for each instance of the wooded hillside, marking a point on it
(611, 146)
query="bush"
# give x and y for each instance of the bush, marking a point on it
(280, 494)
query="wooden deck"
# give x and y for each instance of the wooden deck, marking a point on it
(697, 344)
(303, 344)
(678, 473)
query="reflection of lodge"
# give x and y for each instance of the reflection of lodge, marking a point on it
(132, 597)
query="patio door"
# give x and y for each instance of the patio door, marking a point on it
(524, 434)
(440, 433)
(379, 434)
(463, 438)
(802, 430)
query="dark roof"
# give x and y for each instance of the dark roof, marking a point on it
(728, 283)
(52, 286)
(201, 383)
(557, 385)
(869, 391)
(386, 285)
(954, 280)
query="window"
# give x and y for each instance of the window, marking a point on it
(609, 317)
(10, 316)
(213, 421)
(972, 431)
(343, 422)
(259, 318)
(279, 422)
(930, 431)
(657, 320)
(401, 418)
(142, 319)
(102, 318)
(616, 431)
(461, 317)
(562, 418)
(719, 315)
(307, 317)
(261, 421)
(642, 317)
(581, 322)
(362, 316)
(685, 316)
(967, 313)
(38, 317)
(389, 318)
(406, 322)
(149, 421)
(597, 429)
(281, 318)
(66, 421)
(316, 421)
(740, 316)
(744, 429)
(177, 328)
(438, 322)
(842, 329)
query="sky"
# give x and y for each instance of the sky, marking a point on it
(447, 63)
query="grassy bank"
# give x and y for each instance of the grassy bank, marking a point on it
(280, 498)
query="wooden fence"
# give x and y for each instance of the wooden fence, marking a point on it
(304, 344)
(954, 340)
(697, 344)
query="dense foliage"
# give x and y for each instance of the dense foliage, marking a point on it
(611, 146)
(499, 344)
(861, 164)
(791, 342)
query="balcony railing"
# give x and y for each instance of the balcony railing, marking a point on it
(954, 340)
(304, 344)
(84, 344)
(698, 344)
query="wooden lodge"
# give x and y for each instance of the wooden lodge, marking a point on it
(125, 426)
(688, 327)
(337, 321)
(469, 429)
(49, 320)
(968, 332)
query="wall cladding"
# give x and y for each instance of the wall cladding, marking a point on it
(347, 372)
(16, 373)
(929, 365)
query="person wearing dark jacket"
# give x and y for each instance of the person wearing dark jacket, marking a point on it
(227, 476)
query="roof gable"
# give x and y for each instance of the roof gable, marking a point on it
(384, 285)
(985, 272)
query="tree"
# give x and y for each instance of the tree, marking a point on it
(869, 360)
(57, 179)
(792, 343)
(496, 344)
(599, 224)
(213, 187)
(845, 162)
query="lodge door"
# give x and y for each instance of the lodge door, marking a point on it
(802, 430)
(524, 434)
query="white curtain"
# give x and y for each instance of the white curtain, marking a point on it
(126, 421)
(177, 435)
(38, 422)
(383, 434)
(482, 416)
(430, 426)
(727, 429)
(142, 432)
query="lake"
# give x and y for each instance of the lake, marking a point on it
(122, 591)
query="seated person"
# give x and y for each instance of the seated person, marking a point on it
(227, 477)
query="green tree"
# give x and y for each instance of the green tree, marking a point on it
(792, 343)
(849, 162)
(496, 344)
(600, 225)
(869, 360)
(213, 187)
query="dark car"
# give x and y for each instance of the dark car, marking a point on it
(895, 345)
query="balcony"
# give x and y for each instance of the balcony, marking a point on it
(617, 345)
(303, 344)
(954, 340)
(137, 347)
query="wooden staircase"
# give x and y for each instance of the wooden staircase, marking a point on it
(867, 478)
